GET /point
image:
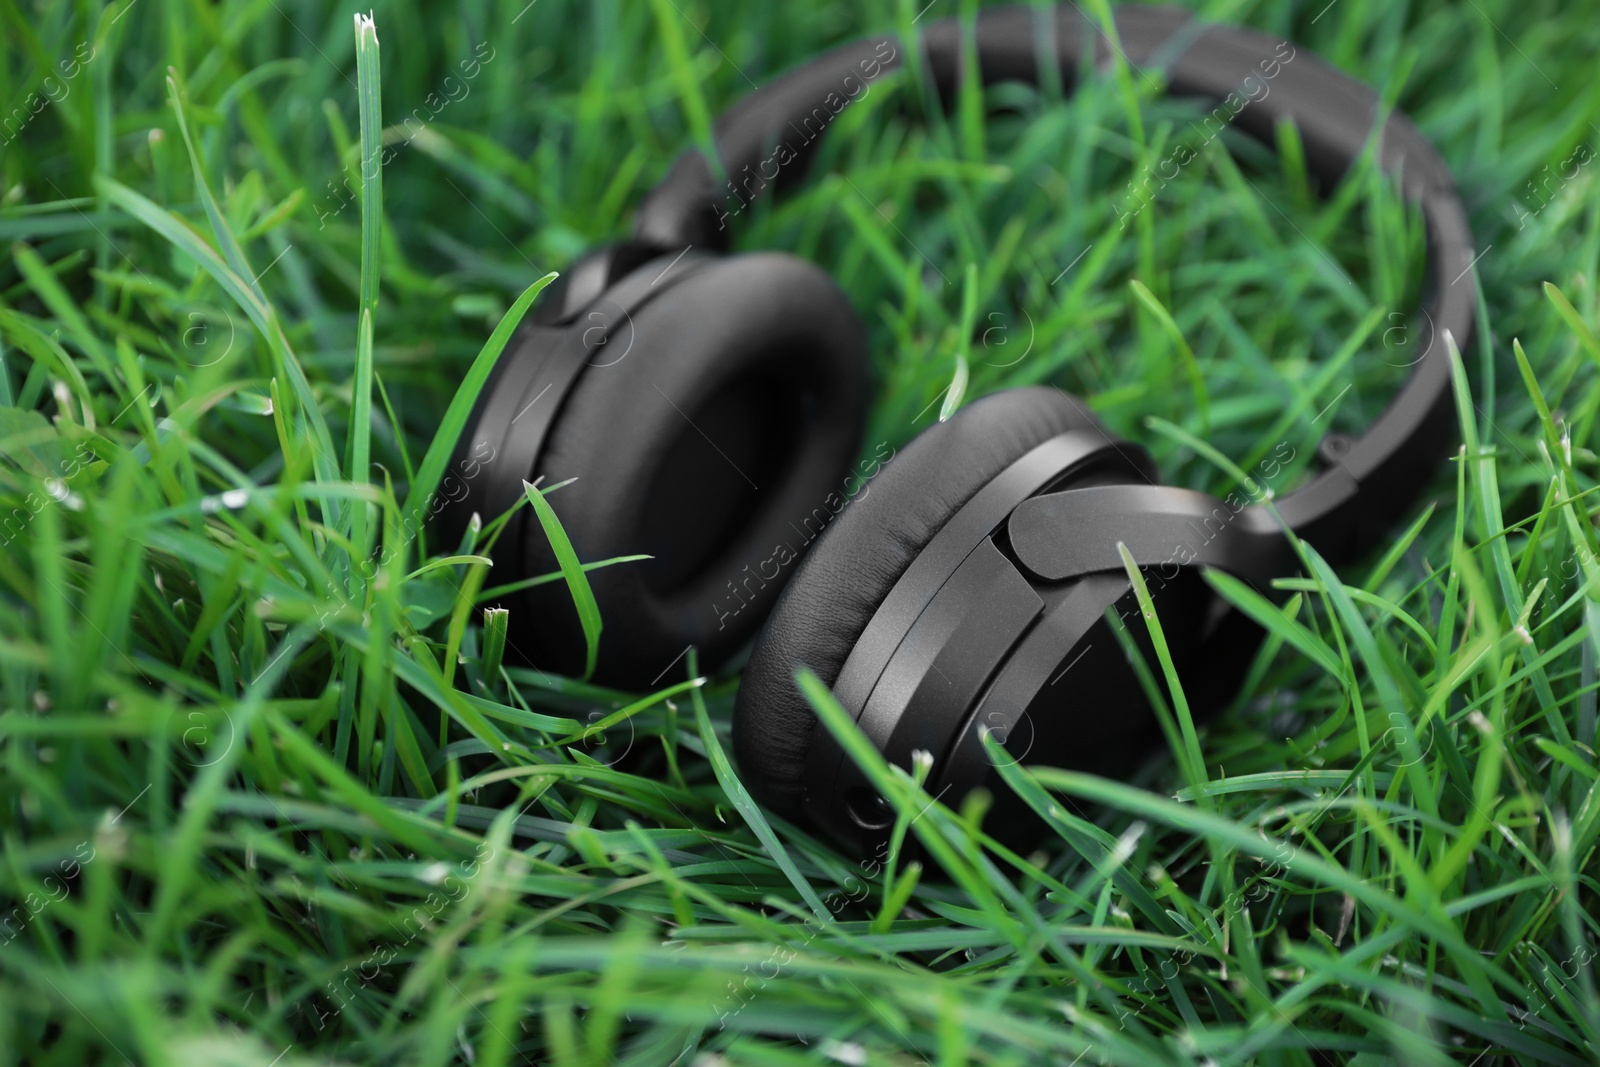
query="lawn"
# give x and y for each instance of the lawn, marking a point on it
(273, 791)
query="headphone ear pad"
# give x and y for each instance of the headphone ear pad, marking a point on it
(858, 559)
(730, 404)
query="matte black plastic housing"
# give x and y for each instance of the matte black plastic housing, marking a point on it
(1016, 634)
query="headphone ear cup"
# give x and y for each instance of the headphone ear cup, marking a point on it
(858, 559)
(726, 408)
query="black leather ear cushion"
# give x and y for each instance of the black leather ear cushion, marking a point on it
(856, 562)
(724, 410)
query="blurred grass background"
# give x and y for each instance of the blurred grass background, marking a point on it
(263, 804)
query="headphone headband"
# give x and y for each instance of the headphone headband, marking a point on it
(770, 135)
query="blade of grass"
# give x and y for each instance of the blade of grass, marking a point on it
(369, 92)
(455, 417)
(728, 779)
(577, 581)
(1191, 366)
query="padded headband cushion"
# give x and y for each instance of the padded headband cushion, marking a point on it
(856, 562)
(719, 415)
(769, 137)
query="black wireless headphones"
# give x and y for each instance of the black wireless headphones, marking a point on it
(710, 402)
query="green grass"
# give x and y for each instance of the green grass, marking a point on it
(271, 793)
